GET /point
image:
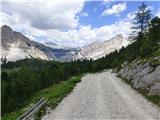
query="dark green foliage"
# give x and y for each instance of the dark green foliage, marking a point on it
(53, 96)
(154, 31)
(34, 75)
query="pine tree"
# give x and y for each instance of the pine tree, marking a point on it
(142, 18)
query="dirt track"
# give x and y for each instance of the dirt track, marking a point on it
(104, 96)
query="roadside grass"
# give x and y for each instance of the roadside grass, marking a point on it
(157, 53)
(153, 98)
(53, 96)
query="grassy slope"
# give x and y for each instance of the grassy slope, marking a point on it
(53, 96)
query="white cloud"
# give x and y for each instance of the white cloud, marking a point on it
(84, 14)
(158, 13)
(106, 1)
(72, 37)
(116, 9)
(86, 34)
(131, 15)
(46, 15)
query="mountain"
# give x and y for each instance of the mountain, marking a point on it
(98, 50)
(15, 46)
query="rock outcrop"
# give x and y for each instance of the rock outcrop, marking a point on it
(143, 75)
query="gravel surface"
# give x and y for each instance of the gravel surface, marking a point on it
(104, 96)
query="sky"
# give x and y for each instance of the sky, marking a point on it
(72, 23)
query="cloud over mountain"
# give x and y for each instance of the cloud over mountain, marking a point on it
(68, 22)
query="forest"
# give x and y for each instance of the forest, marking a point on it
(21, 79)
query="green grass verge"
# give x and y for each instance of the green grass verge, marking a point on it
(153, 98)
(53, 96)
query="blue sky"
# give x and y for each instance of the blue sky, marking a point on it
(95, 8)
(72, 23)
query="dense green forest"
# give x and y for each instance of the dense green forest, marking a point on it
(20, 79)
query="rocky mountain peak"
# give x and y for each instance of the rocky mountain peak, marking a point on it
(6, 28)
(116, 38)
(15, 46)
(100, 49)
(119, 36)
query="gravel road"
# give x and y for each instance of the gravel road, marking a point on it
(104, 96)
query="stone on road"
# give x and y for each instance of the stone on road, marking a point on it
(104, 96)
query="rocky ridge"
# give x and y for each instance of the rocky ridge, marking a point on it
(143, 74)
(98, 50)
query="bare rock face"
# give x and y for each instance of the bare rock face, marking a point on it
(149, 80)
(98, 50)
(15, 46)
(155, 89)
(143, 76)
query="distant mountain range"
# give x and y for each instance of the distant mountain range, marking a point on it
(15, 46)
(98, 50)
